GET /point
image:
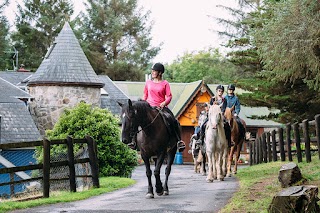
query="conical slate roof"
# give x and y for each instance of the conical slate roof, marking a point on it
(65, 64)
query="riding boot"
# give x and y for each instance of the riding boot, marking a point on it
(180, 144)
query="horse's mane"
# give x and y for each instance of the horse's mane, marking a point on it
(215, 109)
(141, 106)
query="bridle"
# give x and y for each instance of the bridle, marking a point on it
(133, 132)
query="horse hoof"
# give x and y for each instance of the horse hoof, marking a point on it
(209, 180)
(149, 195)
(166, 192)
(228, 175)
(160, 193)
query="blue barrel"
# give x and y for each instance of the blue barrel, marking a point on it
(179, 158)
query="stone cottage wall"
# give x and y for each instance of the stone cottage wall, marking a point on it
(50, 101)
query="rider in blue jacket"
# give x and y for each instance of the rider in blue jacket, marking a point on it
(232, 100)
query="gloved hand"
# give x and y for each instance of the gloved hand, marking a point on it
(235, 115)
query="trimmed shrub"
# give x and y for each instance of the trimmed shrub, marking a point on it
(115, 158)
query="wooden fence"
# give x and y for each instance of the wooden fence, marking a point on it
(295, 140)
(46, 165)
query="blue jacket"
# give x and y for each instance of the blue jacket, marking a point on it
(233, 100)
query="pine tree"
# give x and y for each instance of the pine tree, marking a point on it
(38, 23)
(116, 38)
(5, 55)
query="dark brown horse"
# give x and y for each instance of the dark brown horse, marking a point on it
(237, 138)
(153, 139)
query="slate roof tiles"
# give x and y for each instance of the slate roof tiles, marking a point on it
(65, 64)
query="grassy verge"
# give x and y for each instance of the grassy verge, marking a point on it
(107, 184)
(259, 183)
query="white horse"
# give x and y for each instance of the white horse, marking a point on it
(216, 145)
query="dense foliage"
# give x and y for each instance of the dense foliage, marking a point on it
(208, 65)
(116, 38)
(115, 158)
(5, 51)
(283, 62)
(37, 23)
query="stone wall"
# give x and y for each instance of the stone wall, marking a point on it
(50, 101)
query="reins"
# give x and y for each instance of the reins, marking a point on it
(142, 128)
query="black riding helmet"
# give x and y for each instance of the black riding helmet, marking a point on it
(220, 87)
(158, 67)
(231, 87)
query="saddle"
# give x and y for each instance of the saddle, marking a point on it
(168, 119)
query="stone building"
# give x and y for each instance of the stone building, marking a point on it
(63, 79)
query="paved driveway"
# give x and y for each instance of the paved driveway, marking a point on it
(189, 192)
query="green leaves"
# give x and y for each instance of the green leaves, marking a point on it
(116, 37)
(115, 158)
(208, 65)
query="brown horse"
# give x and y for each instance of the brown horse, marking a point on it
(153, 139)
(237, 138)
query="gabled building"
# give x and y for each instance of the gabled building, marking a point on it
(63, 79)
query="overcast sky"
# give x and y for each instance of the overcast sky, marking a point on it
(182, 25)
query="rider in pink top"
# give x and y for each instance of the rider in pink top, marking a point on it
(157, 93)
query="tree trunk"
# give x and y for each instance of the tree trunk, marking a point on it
(289, 174)
(296, 199)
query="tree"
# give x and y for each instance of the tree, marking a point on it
(273, 87)
(4, 39)
(115, 158)
(289, 44)
(115, 35)
(208, 65)
(38, 22)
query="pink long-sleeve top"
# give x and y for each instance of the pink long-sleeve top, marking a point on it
(156, 93)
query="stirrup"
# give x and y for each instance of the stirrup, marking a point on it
(181, 146)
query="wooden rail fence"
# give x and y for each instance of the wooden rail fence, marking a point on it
(46, 165)
(298, 139)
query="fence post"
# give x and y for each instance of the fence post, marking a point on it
(274, 145)
(298, 141)
(11, 185)
(317, 120)
(306, 139)
(258, 150)
(281, 144)
(72, 170)
(46, 167)
(288, 131)
(250, 154)
(264, 146)
(269, 147)
(93, 162)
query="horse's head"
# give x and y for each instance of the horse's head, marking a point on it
(228, 114)
(214, 115)
(129, 126)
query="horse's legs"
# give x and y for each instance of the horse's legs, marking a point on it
(220, 173)
(159, 187)
(148, 174)
(230, 161)
(235, 168)
(203, 165)
(171, 156)
(210, 167)
(224, 161)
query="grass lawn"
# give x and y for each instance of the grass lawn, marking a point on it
(107, 184)
(259, 184)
